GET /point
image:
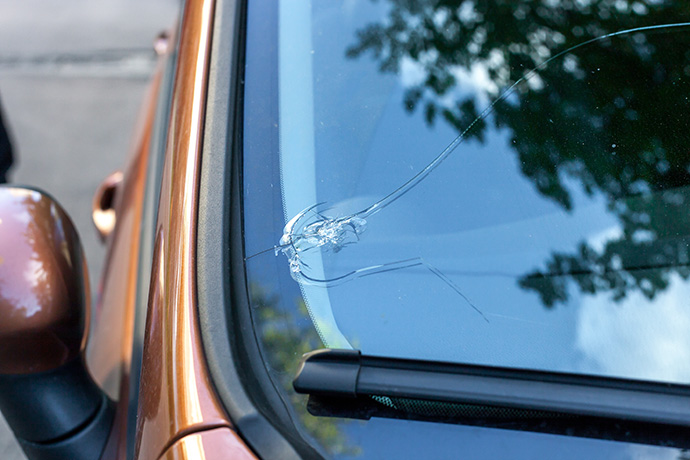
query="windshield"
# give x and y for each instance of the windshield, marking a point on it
(483, 182)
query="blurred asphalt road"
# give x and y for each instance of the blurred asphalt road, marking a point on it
(72, 75)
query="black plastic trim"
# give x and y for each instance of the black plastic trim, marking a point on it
(348, 373)
(86, 444)
(231, 348)
(57, 414)
(50, 405)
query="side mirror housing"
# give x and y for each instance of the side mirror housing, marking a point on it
(50, 401)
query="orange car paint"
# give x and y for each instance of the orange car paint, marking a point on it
(216, 444)
(176, 397)
(110, 349)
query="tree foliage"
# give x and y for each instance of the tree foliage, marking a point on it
(608, 114)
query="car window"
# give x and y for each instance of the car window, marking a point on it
(494, 183)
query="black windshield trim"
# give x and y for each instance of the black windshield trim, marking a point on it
(234, 361)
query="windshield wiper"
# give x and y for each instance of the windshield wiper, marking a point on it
(349, 374)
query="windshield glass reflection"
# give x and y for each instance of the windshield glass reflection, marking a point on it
(499, 183)
(488, 183)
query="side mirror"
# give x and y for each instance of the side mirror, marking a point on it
(50, 401)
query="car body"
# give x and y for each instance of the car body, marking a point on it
(166, 430)
(199, 356)
(174, 413)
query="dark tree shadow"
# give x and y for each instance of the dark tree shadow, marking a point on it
(286, 336)
(610, 117)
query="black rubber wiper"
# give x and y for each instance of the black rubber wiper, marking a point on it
(349, 374)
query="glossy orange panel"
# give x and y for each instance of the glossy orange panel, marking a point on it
(217, 444)
(43, 283)
(176, 397)
(109, 350)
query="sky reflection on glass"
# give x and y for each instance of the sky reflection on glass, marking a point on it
(472, 228)
(561, 216)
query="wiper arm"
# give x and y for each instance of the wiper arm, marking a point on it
(348, 373)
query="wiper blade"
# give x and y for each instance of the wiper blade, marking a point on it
(348, 373)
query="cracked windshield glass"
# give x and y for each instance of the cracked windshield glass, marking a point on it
(502, 183)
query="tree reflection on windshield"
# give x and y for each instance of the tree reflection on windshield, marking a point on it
(610, 118)
(286, 337)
